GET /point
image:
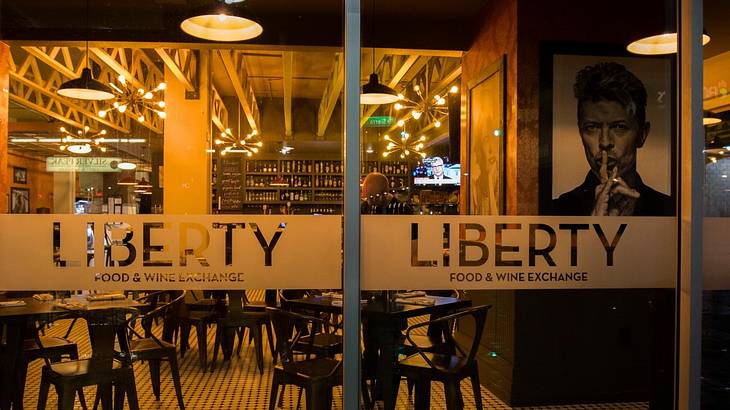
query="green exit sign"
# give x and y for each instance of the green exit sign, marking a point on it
(384, 121)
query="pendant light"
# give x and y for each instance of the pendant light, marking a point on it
(127, 180)
(375, 93)
(85, 87)
(659, 44)
(222, 21)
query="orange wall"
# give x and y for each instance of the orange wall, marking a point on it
(40, 182)
(4, 67)
(497, 37)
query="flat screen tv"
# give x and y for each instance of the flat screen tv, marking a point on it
(436, 171)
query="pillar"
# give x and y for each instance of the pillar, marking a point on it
(186, 173)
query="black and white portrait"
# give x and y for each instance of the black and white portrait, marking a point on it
(20, 175)
(611, 143)
(19, 201)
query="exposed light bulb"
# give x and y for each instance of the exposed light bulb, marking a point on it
(218, 142)
(416, 88)
(161, 114)
(162, 86)
(441, 101)
(161, 104)
(86, 128)
(397, 106)
(122, 79)
(103, 149)
(416, 114)
(122, 108)
(140, 118)
(401, 97)
(102, 113)
(103, 132)
(147, 95)
(437, 124)
(259, 144)
(401, 123)
(454, 89)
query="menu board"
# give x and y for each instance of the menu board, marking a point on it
(231, 184)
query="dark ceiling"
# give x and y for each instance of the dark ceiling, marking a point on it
(414, 24)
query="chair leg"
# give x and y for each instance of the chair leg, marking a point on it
(106, 397)
(365, 394)
(43, 392)
(476, 387)
(184, 336)
(258, 341)
(202, 332)
(270, 337)
(452, 390)
(175, 370)
(66, 399)
(82, 399)
(216, 345)
(281, 396)
(154, 365)
(239, 333)
(422, 400)
(131, 389)
(119, 392)
(274, 393)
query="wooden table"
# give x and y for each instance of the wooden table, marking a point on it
(15, 321)
(383, 321)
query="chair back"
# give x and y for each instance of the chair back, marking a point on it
(105, 326)
(284, 323)
(479, 315)
(164, 304)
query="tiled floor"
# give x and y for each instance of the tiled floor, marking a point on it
(237, 384)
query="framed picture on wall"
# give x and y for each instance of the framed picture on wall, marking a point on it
(20, 175)
(486, 141)
(607, 132)
(19, 201)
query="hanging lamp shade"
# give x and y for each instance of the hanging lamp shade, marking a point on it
(126, 165)
(143, 183)
(220, 21)
(127, 180)
(659, 44)
(279, 181)
(86, 88)
(375, 93)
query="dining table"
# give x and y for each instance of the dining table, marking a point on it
(383, 320)
(15, 320)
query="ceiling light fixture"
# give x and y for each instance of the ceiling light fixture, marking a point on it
(127, 180)
(374, 93)
(222, 21)
(435, 107)
(236, 144)
(710, 121)
(79, 149)
(279, 181)
(404, 145)
(137, 102)
(85, 87)
(659, 44)
(126, 165)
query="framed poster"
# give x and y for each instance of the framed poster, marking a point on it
(607, 132)
(19, 201)
(20, 175)
(485, 141)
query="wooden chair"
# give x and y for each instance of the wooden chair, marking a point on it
(104, 368)
(317, 376)
(154, 350)
(449, 369)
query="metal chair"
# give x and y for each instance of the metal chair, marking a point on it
(317, 376)
(154, 350)
(449, 369)
(104, 368)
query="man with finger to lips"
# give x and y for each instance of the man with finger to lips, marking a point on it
(613, 126)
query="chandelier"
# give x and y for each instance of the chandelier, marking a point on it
(230, 143)
(404, 145)
(81, 142)
(435, 109)
(136, 101)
